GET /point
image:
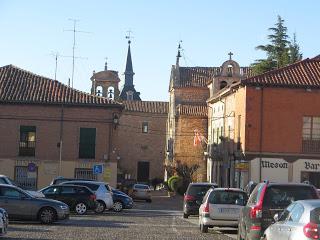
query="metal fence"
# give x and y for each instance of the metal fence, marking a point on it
(85, 173)
(25, 179)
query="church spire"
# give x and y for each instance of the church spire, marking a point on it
(178, 55)
(129, 69)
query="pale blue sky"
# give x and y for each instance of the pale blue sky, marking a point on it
(31, 30)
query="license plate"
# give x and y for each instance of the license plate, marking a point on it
(228, 210)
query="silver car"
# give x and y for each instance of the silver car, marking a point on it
(140, 192)
(4, 221)
(299, 221)
(221, 207)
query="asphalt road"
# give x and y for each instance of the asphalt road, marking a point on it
(161, 219)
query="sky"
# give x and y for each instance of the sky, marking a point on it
(33, 31)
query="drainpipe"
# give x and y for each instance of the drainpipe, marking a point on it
(261, 134)
(60, 143)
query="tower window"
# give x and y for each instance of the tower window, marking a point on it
(223, 84)
(230, 71)
(145, 127)
(111, 93)
(130, 95)
(99, 91)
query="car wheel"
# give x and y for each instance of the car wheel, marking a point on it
(100, 207)
(185, 215)
(81, 208)
(47, 215)
(117, 206)
(203, 228)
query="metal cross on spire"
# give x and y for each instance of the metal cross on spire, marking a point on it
(230, 55)
(128, 36)
(106, 64)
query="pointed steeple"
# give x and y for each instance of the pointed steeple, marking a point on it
(178, 55)
(129, 70)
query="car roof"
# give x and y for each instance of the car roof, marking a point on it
(310, 202)
(230, 189)
(83, 181)
(289, 184)
(203, 184)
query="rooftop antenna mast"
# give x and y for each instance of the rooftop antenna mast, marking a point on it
(57, 55)
(74, 44)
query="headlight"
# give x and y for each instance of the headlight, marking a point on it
(64, 207)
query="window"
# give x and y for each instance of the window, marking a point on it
(85, 173)
(311, 134)
(87, 145)
(26, 179)
(223, 84)
(111, 93)
(99, 91)
(130, 95)
(11, 193)
(51, 190)
(27, 143)
(145, 127)
(296, 213)
(68, 190)
(227, 197)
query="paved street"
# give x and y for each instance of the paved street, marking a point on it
(162, 219)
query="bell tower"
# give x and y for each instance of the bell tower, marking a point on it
(105, 83)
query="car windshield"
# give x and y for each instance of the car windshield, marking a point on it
(282, 196)
(198, 190)
(227, 197)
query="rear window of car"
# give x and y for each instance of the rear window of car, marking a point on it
(282, 196)
(91, 186)
(315, 216)
(141, 186)
(198, 190)
(227, 197)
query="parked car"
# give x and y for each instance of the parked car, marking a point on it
(78, 198)
(299, 221)
(60, 179)
(265, 201)
(221, 207)
(102, 191)
(6, 180)
(195, 192)
(141, 192)
(21, 205)
(4, 222)
(249, 187)
(121, 200)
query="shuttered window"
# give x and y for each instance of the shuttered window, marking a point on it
(87, 145)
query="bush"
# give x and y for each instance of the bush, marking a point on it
(170, 180)
(176, 183)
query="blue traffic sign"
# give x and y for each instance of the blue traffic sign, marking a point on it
(32, 167)
(98, 169)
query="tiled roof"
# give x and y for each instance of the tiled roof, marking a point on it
(146, 106)
(305, 73)
(21, 86)
(202, 76)
(192, 110)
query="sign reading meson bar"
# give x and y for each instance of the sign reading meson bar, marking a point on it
(311, 166)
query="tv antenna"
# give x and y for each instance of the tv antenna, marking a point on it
(74, 30)
(57, 55)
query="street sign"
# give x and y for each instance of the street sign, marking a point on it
(32, 167)
(98, 169)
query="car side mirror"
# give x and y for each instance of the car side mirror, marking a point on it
(276, 217)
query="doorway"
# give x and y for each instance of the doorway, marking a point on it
(143, 172)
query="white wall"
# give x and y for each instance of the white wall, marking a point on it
(304, 165)
(272, 169)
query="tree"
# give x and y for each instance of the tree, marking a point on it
(294, 50)
(280, 51)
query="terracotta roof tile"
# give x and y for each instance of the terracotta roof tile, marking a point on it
(192, 110)
(146, 106)
(21, 86)
(305, 73)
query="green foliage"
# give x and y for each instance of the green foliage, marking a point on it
(280, 51)
(176, 183)
(170, 182)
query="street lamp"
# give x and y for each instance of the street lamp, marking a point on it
(115, 120)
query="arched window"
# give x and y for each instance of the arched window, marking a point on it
(230, 70)
(223, 84)
(110, 93)
(99, 91)
(130, 95)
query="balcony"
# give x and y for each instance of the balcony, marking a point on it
(311, 146)
(27, 148)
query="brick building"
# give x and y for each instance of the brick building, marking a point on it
(49, 129)
(188, 109)
(276, 126)
(140, 135)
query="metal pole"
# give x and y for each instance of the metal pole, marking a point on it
(61, 142)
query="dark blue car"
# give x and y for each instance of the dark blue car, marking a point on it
(121, 201)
